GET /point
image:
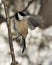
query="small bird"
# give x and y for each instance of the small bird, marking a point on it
(23, 21)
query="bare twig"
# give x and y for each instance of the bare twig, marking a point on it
(2, 19)
(10, 35)
(16, 37)
(28, 5)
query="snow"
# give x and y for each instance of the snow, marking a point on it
(0, 1)
(33, 55)
(48, 31)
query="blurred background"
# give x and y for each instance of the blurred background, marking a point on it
(38, 41)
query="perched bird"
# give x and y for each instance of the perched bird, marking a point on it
(23, 21)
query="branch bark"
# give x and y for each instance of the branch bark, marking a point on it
(2, 19)
(10, 35)
(28, 5)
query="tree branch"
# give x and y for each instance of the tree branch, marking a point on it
(9, 34)
(2, 19)
(28, 5)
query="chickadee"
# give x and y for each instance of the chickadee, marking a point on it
(24, 21)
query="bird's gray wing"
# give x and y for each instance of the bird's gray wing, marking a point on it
(35, 21)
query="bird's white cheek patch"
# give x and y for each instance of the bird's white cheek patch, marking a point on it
(20, 17)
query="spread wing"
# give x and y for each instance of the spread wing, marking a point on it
(35, 21)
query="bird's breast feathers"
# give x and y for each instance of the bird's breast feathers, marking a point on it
(22, 27)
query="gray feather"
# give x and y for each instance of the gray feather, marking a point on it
(35, 21)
